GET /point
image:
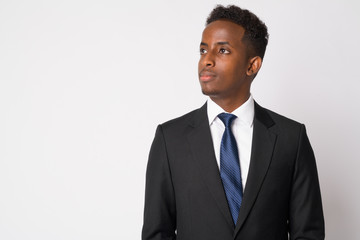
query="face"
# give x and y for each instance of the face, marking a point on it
(224, 67)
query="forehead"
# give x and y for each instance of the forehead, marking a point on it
(223, 30)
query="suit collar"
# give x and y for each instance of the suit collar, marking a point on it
(260, 114)
(199, 116)
(263, 116)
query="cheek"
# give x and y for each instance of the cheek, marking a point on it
(226, 69)
(199, 65)
(201, 62)
(240, 69)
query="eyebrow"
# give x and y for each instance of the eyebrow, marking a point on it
(218, 43)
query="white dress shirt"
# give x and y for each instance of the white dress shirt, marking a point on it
(242, 128)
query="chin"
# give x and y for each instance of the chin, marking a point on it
(210, 89)
(209, 92)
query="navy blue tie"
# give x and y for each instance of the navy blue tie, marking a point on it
(230, 167)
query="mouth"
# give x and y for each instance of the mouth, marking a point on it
(206, 76)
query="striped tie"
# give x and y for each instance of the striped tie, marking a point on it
(230, 167)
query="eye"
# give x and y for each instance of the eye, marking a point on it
(203, 51)
(223, 51)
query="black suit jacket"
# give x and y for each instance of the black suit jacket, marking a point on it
(185, 199)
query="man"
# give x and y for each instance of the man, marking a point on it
(232, 169)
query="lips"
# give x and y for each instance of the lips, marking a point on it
(206, 76)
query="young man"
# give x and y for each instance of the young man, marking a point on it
(232, 169)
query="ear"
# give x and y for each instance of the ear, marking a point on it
(254, 66)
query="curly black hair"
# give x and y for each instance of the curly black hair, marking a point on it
(256, 34)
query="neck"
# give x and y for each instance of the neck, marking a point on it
(230, 104)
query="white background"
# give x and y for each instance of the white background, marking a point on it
(83, 85)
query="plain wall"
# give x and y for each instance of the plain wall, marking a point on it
(83, 85)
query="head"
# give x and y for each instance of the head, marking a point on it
(232, 48)
(255, 35)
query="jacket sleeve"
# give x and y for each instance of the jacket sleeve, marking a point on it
(160, 209)
(306, 220)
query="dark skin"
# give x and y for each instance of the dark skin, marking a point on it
(226, 68)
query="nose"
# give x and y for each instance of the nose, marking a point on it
(208, 60)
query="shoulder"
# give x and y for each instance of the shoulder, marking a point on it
(290, 134)
(187, 120)
(181, 120)
(271, 117)
(288, 129)
(174, 131)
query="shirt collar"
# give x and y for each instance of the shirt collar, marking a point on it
(245, 113)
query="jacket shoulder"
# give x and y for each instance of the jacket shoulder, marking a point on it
(184, 119)
(278, 119)
(189, 119)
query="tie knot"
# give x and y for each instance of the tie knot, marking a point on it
(227, 118)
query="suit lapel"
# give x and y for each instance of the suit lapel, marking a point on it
(203, 151)
(261, 154)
